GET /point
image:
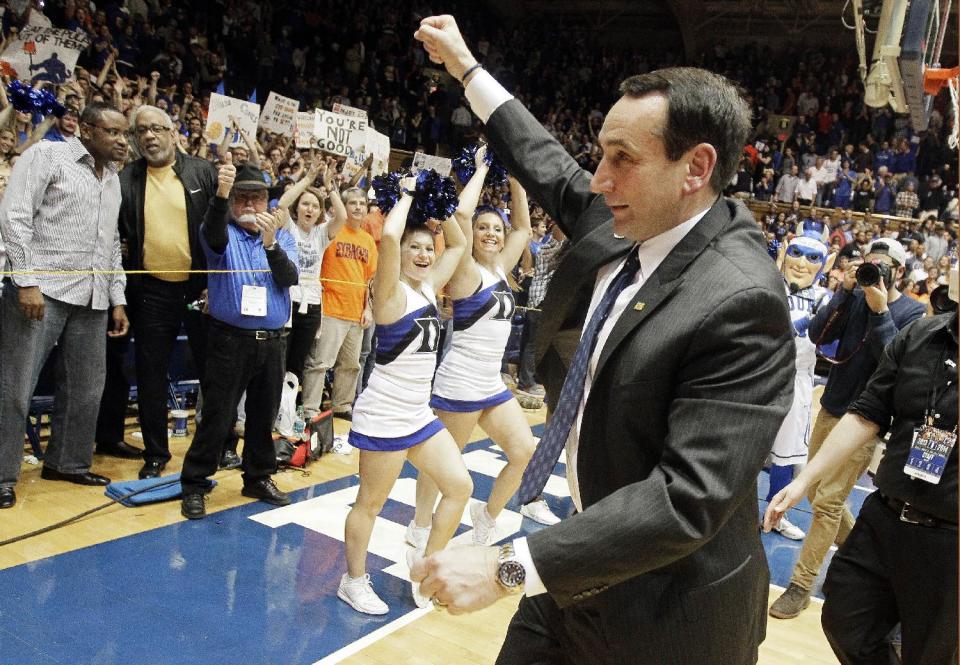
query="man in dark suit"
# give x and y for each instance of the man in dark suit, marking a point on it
(675, 375)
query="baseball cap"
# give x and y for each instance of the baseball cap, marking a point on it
(890, 247)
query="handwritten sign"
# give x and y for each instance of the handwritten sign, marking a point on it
(43, 54)
(303, 130)
(222, 109)
(279, 114)
(339, 134)
(379, 146)
(423, 161)
(351, 111)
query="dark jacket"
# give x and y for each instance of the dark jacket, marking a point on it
(199, 178)
(687, 396)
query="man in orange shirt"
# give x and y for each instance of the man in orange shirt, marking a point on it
(349, 264)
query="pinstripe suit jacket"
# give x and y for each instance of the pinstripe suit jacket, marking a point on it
(686, 401)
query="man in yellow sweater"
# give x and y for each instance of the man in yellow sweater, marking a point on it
(165, 195)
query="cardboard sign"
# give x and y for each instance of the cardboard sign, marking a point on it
(222, 109)
(781, 126)
(379, 146)
(339, 134)
(279, 114)
(303, 130)
(343, 109)
(423, 161)
(43, 54)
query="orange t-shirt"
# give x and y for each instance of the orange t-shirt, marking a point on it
(351, 257)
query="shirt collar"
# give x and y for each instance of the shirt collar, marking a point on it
(654, 250)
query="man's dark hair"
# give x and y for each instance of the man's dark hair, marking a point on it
(93, 113)
(702, 107)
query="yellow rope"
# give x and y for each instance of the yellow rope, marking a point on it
(75, 273)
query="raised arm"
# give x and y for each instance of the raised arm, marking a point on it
(519, 238)
(291, 195)
(470, 196)
(455, 246)
(529, 152)
(390, 301)
(336, 202)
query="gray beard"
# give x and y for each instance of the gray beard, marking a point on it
(247, 219)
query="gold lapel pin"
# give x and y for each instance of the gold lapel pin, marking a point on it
(639, 306)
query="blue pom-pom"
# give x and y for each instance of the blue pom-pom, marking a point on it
(435, 197)
(27, 99)
(464, 165)
(386, 187)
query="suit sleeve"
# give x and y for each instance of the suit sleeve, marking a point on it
(537, 160)
(732, 392)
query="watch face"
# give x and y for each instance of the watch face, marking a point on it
(512, 574)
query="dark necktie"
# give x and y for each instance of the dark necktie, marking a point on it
(558, 429)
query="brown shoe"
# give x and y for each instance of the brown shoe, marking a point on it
(793, 601)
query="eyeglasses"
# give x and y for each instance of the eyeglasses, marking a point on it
(244, 198)
(110, 131)
(156, 129)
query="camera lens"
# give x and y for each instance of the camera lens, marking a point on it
(868, 274)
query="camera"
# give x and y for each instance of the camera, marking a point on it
(940, 300)
(870, 274)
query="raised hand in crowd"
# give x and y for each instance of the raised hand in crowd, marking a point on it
(226, 174)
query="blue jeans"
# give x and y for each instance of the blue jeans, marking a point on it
(80, 336)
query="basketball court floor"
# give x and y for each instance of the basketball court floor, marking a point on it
(256, 584)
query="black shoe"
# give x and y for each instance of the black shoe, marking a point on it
(266, 491)
(85, 478)
(192, 506)
(151, 469)
(230, 460)
(7, 497)
(119, 449)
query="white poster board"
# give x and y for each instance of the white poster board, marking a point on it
(351, 111)
(339, 134)
(379, 146)
(222, 110)
(303, 130)
(44, 54)
(279, 114)
(423, 161)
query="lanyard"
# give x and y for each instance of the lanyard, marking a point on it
(930, 414)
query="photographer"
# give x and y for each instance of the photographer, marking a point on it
(899, 564)
(864, 315)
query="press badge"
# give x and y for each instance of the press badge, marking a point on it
(929, 453)
(253, 300)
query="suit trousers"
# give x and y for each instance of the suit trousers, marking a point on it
(525, 370)
(236, 362)
(832, 519)
(890, 571)
(79, 334)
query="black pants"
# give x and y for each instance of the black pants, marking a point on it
(889, 571)
(236, 362)
(525, 371)
(160, 309)
(116, 393)
(302, 333)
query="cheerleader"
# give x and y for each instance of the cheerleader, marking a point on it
(804, 261)
(392, 420)
(468, 388)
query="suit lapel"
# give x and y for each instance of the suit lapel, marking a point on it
(665, 279)
(582, 262)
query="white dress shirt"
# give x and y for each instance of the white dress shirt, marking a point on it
(485, 95)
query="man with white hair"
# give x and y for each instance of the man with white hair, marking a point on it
(165, 195)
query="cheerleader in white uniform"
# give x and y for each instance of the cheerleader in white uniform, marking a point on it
(392, 420)
(468, 389)
(804, 260)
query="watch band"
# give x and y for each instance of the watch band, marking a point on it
(511, 575)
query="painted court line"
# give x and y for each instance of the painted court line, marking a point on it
(375, 636)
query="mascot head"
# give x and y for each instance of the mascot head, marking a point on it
(806, 255)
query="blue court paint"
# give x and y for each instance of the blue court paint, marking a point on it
(250, 584)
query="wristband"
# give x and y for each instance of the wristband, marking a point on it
(469, 72)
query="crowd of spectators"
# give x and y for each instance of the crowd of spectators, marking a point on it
(841, 163)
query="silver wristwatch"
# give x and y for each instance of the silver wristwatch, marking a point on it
(510, 572)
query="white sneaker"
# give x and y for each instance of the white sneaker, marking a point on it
(358, 594)
(484, 526)
(789, 530)
(419, 601)
(540, 512)
(417, 536)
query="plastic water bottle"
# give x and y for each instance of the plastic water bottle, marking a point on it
(300, 426)
(197, 305)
